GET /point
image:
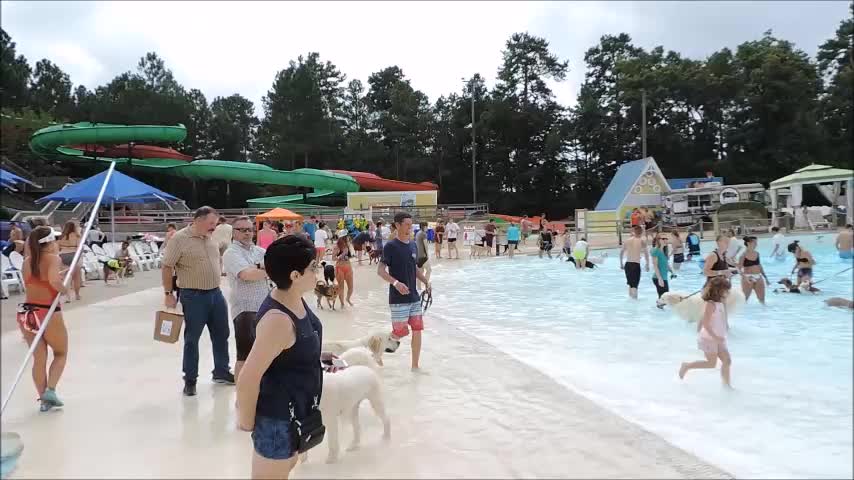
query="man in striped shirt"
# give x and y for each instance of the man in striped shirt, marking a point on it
(194, 256)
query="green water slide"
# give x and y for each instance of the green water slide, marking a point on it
(58, 141)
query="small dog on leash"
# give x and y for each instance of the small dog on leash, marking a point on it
(330, 292)
(328, 273)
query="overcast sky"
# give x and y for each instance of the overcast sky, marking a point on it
(224, 47)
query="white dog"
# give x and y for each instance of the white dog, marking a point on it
(691, 308)
(478, 251)
(376, 343)
(343, 391)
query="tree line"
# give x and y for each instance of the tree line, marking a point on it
(751, 115)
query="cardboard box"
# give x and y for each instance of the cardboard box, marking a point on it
(167, 326)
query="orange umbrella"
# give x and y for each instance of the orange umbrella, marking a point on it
(277, 213)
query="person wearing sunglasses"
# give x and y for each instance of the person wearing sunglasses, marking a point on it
(243, 263)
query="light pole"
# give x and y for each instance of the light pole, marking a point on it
(643, 122)
(473, 152)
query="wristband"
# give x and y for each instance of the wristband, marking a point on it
(395, 284)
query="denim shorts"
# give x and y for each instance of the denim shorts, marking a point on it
(271, 438)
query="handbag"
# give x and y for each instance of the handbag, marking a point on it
(307, 432)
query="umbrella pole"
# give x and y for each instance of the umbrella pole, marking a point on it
(12, 445)
(113, 220)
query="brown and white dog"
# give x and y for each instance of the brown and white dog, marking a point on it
(330, 292)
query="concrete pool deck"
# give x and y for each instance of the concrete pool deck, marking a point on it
(477, 414)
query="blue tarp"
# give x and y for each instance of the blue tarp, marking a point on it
(120, 189)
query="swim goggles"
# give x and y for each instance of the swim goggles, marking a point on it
(426, 300)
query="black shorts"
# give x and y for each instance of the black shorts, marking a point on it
(661, 290)
(244, 324)
(633, 274)
(678, 258)
(546, 247)
(512, 242)
(487, 239)
(452, 240)
(804, 272)
(421, 261)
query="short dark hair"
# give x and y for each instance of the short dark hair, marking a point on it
(242, 218)
(775, 229)
(399, 217)
(380, 223)
(293, 253)
(171, 225)
(748, 239)
(793, 246)
(321, 225)
(203, 212)
(313, 217)
(423, 225)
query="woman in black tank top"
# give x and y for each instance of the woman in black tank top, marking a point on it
(283, 369)
(716, 262)
(753, 277)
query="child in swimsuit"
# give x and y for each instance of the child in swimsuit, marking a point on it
(712, 330)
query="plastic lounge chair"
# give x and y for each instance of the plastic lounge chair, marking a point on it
(99, 251)
(9, 276)
(17, 261)
(816, 220)
(141, 262)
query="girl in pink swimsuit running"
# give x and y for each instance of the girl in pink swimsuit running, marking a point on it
(712, 331)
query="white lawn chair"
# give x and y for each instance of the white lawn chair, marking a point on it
(17, 261)
(156, 254)
(110, 249)
(91, 265)
(138, 259)
(816, 220)
(9, 276)
(99, 251)
(144, 250)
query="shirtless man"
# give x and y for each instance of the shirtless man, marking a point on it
(632, 250)
(845, 242)
(677, 250)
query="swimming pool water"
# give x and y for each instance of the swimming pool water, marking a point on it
(790, 413)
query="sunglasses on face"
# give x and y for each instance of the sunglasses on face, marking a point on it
(245, 230)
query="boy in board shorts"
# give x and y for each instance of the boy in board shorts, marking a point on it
(398, 267)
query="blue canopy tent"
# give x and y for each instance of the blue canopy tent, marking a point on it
(10, 180)
(121, 188)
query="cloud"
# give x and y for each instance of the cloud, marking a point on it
(230, 47)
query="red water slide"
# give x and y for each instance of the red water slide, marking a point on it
(136, 151)
(370, 181)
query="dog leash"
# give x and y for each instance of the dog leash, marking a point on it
(835, 274)
(426, 299)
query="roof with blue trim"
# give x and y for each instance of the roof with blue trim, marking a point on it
(679, 183)
(621, 184)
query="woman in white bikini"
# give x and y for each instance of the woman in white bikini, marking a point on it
(753, 278)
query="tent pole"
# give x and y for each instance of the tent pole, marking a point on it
(113, 220)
